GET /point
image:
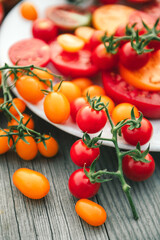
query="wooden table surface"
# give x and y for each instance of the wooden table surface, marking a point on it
(54, 217)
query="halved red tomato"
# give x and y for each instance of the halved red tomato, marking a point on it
(120, 91)
(77, 64)
(30, 51)
(69, 17)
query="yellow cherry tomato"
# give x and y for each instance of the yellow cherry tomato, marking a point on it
(69, 89)
(123, 111)
(51, 147)
(32, 184)
(91, 212)
(28, 11)
(85, 33)
(105, 99)
(93, 91)
(82, 83)
(4, 147)
(70, 43)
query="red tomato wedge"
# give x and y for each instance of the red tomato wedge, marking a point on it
(30, 51)
(1, 12)
(77, 64)
(120, 91)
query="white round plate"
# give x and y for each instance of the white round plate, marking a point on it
(15, 28)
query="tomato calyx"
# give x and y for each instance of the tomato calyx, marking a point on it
(138, 41)
(91, 142)
(96, 103)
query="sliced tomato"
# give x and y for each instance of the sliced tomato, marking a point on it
(77, 64)
(145, 78)
(69, 17)
(120, 91)
(30, 51)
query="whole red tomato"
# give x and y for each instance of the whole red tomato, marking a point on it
(80, 185)
(96, 38)
(102, 59)
(136, 170)
(76, 105)
(131, 59)
(82, 154)
(141, 135)
(90, 120)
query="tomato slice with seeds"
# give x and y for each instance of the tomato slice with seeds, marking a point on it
(30, 51)
(120, 91)
(72, 64)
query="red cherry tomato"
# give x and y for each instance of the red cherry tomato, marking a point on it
(81, 154)
(90, 120)
(80, 185)
(75, 106)
(95, 39)
(77, 64)
(44, 29)
(141, 135)
(108, 1)
(120, 91)
(131, 59)
(136, 170)
(102, 59)
(30, 51)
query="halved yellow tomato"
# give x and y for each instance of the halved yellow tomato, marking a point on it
(70, 43)
(85, 33)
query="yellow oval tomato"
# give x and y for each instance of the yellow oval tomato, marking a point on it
(20, 104)
(4, 147)
(56, 107)
(69, 89)
(91, 212)
(70, 43)
(105, 99)
(44, 75)
(28, 11)
(32, 184)
(51, 147)
(82, 83)
(93, 91)
(85, 33)
(26, 117)
(123, 111)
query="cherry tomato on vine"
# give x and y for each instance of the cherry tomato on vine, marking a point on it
(44, 75)
(136, 170)
(131, 59)
(102, 59)
(75, 105)
(1, 101)
(81, 154)
(26, 117)
(44, 29)
(27, 151)
(90, 120)
(28, 11)
(56, 107)
(31, 183)
(51, 147)
(4, 147)
(95, 39)
(107, 100)
(91, 212)
(80, 185)
(141, 135)
(20, 104)
(69, 89)
(30, 89)
(84, 33)
(123, 111)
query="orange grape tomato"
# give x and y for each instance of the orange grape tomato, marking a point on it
(1, 101)
(84, 33)
(20, 104)
(70, 43)
(105, 99)
(82, 83)
(28, 11)
(44, 75)
(29, 125)
(51, 147)
(110, 16)
(56, 107)
(123, 111)
(69, 89)
(145, 78)
(4, 147)
(27, 151)
(31, 183)
(93, 91)
(91, 212)
(30, 89)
